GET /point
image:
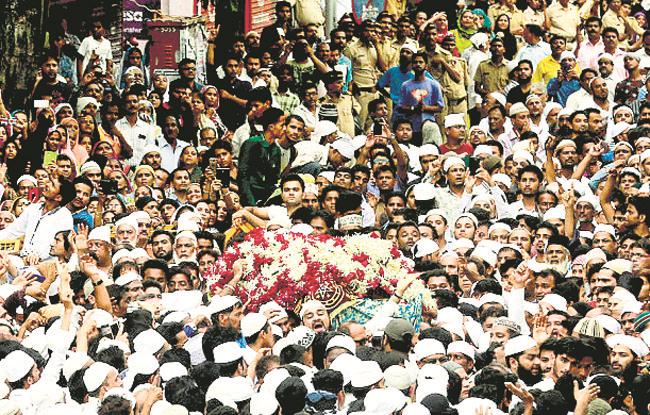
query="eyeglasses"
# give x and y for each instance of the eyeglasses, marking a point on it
(189, 68)
(434, 360)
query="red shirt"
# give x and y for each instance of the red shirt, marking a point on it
(465, 148)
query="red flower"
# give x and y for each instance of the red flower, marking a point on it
(272, 249)
(363, 259)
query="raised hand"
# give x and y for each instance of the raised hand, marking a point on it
(88, 266)
(540, 322)
(24, 278)
(404, 284)
(371, 140)
(470, 182)
(522, 275)
(585, 395)
(520, 392)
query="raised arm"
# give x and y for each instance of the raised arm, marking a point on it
(549, 167)
(606, 194)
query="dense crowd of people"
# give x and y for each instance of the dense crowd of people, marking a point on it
(503, 147)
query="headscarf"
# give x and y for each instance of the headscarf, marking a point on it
(641, 14)
(462, 35)
(61, 106)
(15, 166)
(9, 131)
(125, 62)
(205, 89)
(94, 149)
(66, 148)
(436, 403)
(77, 153)
(57, 128)
(465, 32)
(487, 23)
(509, 40)
(83, 102)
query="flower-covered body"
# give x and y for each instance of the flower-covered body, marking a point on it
(287, 267)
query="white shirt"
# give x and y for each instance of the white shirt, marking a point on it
(170, 155)
(518, 206)
(545, 385)
(242, 133)
(38, 229)
(309, 117)
(579, 100)
(138, 137)
(102, 48)
(508, 140)
(259, 83)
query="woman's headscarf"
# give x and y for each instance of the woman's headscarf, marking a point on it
(62, 105)
(83, 102)
(65, 149)
(94, 150)
(206, 88)
(509, 40)
(645, 26)
(126, 66)
(438, 404)
(9, 131)
(487, 23)
(58, 128)
(15, 166)
(461, 34)
(465, 32)
(77, 153)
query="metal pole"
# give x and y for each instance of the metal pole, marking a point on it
(330, 16)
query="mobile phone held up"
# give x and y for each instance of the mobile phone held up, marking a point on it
(223, 175)
(474, 165)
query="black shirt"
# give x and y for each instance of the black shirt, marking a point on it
(232, 114)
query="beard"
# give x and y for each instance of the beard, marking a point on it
(628, 373)
(527, 376)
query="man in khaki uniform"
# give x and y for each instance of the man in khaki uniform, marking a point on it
(309, 11)
(405, 31)
(386, 42)
(562, 19)
(455, 90)
(446, 69)
(492, 74)
(345, 104)
(368, 62)
(618, 17)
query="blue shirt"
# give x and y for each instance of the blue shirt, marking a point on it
(427, 92)
(344, 60)
(560, 92)
(394, 78)
(534, 53)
